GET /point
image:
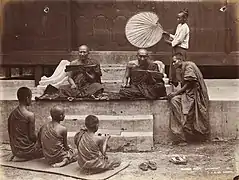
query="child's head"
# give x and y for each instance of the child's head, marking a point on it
(24, 95)
(57, 113)
(92, 123)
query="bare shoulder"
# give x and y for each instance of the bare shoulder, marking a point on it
(99, 139)
(74, 62)
(30, 115)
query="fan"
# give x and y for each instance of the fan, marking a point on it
(143, 30)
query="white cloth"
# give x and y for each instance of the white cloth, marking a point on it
(181, 37)
(58, 78)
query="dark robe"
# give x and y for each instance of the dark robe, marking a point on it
(53, 147)
(90, 158)
(22, 145)
(189, 111)
(142, 84)
(85, 86)
(174, 74)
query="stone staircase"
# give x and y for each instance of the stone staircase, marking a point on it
(128, 132)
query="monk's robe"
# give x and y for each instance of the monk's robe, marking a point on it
(189, 111)
(85, 86)
(53, 147)
(22, 145)
(142, 84)
(90, 158)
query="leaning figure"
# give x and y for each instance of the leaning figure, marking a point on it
(189, 119)
(92, 156)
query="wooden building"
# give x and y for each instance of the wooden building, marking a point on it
(41, 32)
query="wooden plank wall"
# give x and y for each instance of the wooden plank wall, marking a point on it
(29, 35)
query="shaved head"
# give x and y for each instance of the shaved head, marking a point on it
(57, 113)
(84, 48)
(143, 52)
(83, 52)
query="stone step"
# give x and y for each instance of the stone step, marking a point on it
(112, 73)
(130, 123)
(109, 86)
(124, 141)
(16, 83)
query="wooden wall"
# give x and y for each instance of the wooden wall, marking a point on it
(30, 35)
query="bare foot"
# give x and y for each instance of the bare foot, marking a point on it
(60, 164)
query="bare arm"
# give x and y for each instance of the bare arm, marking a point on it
(180, 91)
(31, 130)
(126, 77)
(70, 80)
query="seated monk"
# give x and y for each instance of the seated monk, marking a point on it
(92, 148)
(53, 138)
(83, 82)
(189, 120)
(145, 79)
(21, 129)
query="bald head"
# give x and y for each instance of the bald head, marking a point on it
(84, 48)
(83, 52)
(143, 57)
(143, 52)
(57, 113)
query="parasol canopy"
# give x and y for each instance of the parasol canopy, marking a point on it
(143, 30)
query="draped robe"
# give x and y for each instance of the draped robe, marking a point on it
(189, 111)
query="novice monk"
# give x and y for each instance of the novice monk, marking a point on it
(21, 128)
(53, 137)
(142, 79)
(92, 148)
(189, 105)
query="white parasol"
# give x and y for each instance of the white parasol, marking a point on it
(143, 30)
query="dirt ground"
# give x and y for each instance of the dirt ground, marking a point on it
(206, 161)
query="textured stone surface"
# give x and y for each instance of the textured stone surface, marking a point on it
(124, 141)
(223, 114)
(127, 123)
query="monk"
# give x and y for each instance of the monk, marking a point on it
(21, 129)
(142, 79)
(189, 119)
(83, 83)
(53, 138)
(92, 156)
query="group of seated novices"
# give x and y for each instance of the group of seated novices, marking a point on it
(189, 120)
(51, 141)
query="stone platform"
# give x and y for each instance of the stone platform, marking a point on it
(134, 125)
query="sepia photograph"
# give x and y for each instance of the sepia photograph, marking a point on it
(119, 89)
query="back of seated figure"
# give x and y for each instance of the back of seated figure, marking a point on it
(143, 84)
(21, 128)
(92, 148)
(53, 138)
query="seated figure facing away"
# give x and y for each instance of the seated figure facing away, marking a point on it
(189, 120)
(53, 138)
(142, 79)
(21, 128)
(92, 148)
(84, 82)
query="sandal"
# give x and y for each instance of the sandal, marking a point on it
(144, 166)
(179, 160)
(152, 165)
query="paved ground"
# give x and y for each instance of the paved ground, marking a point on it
(208, 161)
